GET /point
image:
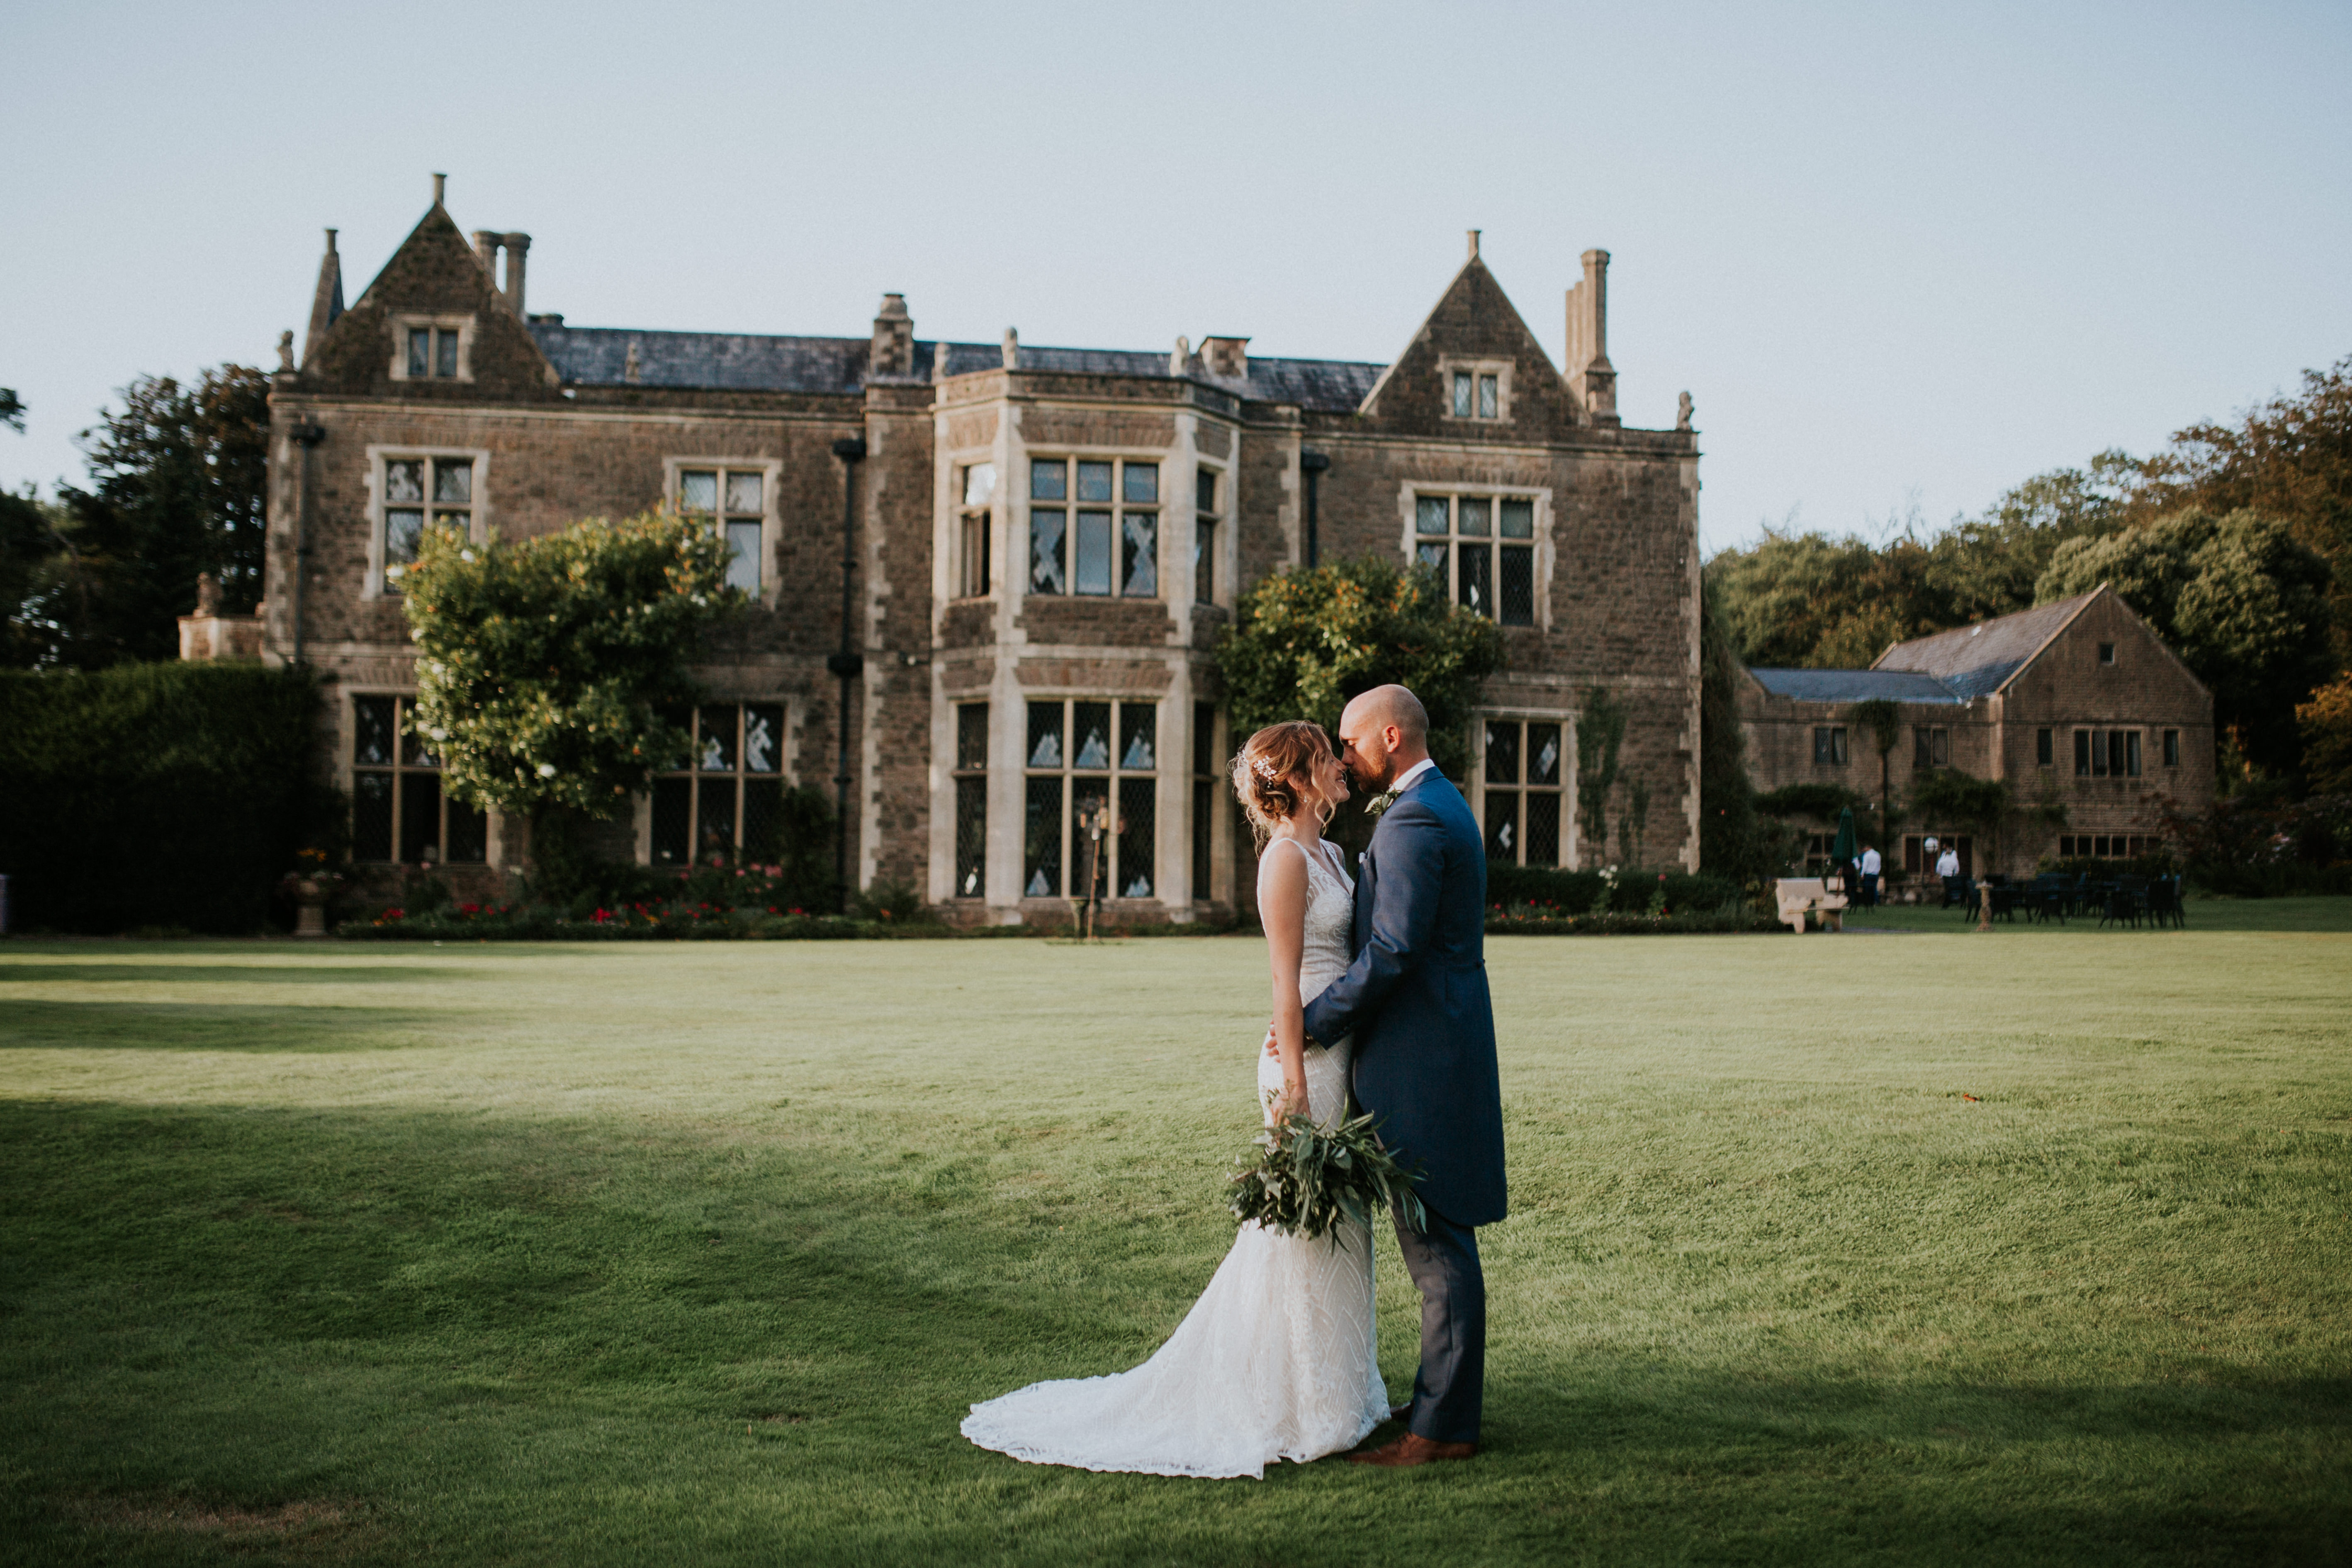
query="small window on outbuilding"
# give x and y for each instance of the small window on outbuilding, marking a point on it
(1830, 749)
(2041, 748)
(2107, 652)
(2172, 748)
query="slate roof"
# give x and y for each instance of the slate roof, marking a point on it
(1854, 685)
(1978, 660)
(740, 361)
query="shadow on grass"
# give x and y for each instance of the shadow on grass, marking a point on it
(567, 1321)
(291, 974)
(261, 1029)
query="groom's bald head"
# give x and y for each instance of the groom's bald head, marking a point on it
(1382, 732)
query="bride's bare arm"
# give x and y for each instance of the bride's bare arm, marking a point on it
(1282, 909)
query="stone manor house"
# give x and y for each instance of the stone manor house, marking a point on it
(1046, 543)
(2077, 705)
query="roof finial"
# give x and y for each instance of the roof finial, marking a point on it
(1012, 349)
(1474, 245)
(440, 185)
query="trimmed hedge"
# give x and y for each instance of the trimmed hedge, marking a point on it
(1536, 889)
(157, 795)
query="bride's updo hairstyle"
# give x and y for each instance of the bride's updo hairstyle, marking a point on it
(1264, 772)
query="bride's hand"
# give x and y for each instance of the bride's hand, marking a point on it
(1272, 1048)
(1293, 1100)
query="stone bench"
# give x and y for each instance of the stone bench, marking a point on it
(1803, 895)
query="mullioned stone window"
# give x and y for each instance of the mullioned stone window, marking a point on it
(1088, 761)
(1093, 527)
(1483, 548)
(972, 801)
(1523, 787)
(416, 490)
(727, 804)
(735, 501)
(399, 814)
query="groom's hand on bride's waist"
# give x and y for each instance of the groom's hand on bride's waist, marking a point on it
(1273, 1049)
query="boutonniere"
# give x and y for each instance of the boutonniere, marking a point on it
(1378, 803)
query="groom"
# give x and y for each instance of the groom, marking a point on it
(1416, 999)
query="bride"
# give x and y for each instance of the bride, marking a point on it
(1276, 1360)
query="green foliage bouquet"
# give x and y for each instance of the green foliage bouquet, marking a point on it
(1303, 1178)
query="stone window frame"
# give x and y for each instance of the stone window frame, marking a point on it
(1224, 475)
(375, 585)
(974, 525)
(464, 325)
(1834, 740)
(770, 525)
(1025, 503)
(1408, 496)
(402, 767)
(1066, 773)
(969, 870)
(1450, 366)
(1569, 849)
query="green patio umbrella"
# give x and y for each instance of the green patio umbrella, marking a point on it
(1843, 853)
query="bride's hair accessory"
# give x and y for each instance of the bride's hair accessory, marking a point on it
(1265, 766)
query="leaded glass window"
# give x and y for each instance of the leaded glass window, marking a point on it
(1084, 754)
(421, 490)
(1109, 544)
(1522, 782)
(1477, 395)
(972, 801)
(726, 805)
(734, 501)
(1483, 549)
(399, 814)
(432, 353)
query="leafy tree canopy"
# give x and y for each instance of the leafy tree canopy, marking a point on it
(179, 478)
(1306, 642)
(545, 666)
(2238, 597)
(2326, 722)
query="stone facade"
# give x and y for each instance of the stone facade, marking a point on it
(2076, 704)
(972, 582)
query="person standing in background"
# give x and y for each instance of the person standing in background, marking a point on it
(1870, 867)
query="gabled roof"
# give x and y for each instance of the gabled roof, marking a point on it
(1854, 685)
(1978, 660)
(1475, 317)
(599, 356)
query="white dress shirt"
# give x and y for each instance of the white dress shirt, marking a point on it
(1411, 773)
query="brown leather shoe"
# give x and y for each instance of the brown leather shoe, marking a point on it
(1411, 1449)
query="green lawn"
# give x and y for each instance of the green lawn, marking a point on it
(696, 1252)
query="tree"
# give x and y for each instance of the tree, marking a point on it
(545, 666)
(12, 410)
(180, 480)
(1304, 642)
(2290, 459)
(1732, 841)
(1884, 719)
(2327, 724)
(2242, 601)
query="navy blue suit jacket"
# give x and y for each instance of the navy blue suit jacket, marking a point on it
(1415, 1000)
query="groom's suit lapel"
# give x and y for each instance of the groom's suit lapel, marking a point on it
(1368, 868)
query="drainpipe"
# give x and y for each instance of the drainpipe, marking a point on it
(848, 664)
(305, 436)
(1312, 464)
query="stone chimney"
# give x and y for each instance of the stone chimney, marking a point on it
(1226, 357)
(488, 243)
(1591, 379)
(893, 340)
(326, 299)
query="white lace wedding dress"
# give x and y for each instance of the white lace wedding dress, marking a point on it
(1276, 1360)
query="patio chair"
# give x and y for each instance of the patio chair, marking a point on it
(2123, 906)
(2164, 904)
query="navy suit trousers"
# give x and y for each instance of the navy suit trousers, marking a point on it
(1449, 1388)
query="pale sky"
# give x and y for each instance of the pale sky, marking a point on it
(1900, 255)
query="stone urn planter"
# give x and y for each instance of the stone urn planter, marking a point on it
(311, 892)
